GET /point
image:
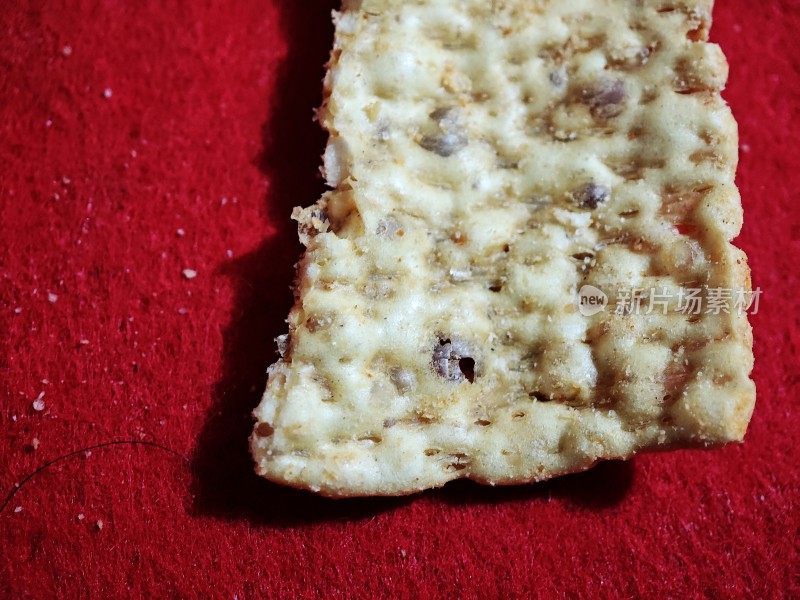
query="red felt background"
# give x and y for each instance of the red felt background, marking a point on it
(194, 161)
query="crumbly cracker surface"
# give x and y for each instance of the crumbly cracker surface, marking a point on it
(489, 159)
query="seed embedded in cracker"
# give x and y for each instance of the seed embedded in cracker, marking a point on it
(487, 161)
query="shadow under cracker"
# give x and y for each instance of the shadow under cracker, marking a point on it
(603, 486)
(224, 483)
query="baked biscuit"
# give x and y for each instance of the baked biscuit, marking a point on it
(487, 161)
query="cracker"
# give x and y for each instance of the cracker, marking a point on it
(487, 161)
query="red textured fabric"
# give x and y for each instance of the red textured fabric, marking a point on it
(139, 139)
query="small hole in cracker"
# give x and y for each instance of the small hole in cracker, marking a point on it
(467, 366)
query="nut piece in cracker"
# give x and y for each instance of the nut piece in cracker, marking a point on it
(487, 161)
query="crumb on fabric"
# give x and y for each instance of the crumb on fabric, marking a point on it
(81, 517)
(180, 232)
(38, 403)
(35, 443)
(189, 273)
(52, 298)
(66, 50)
(18, 509)
(107, 93)
(99, 525)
